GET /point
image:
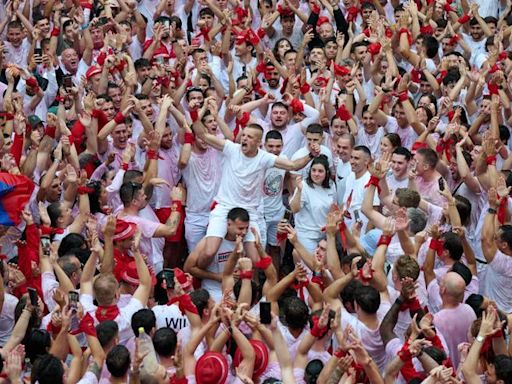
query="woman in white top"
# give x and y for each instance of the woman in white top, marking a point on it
(312, 201)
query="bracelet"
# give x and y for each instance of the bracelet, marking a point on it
(152, 154)
(384, 240)
(492, 211)
(403, 96)
(119, 118)
(246, 275)
(491, 160)
(189, 138)
(124, 166)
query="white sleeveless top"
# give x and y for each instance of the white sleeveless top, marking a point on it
(213, 287)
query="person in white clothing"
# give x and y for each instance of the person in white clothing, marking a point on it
(209, 269)
(242, 179)
(314, 135)
(273, 185)
(311, 202)
(360, 159)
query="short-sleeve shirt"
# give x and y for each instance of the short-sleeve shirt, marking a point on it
(498, 281)
(242, 177)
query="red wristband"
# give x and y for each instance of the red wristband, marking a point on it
(124, 166)
(343, 113)
(261, 33)
(189, 138)
(404, 354)
(384, 240)
(375, 182)
(436, 245)
(318, 331)
(152, 154)
(448, 8)
(315, 9)
(264, 263)
(55, 32)
(464, 19)
(297, 106)
(490, 160)
(246, 275)
(305, 88)
(403, 96)
(493, 88)
(84, 190)
(119, 118)
(9, 116)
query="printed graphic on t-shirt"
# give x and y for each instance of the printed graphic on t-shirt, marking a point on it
(272, 184)
(223, 257)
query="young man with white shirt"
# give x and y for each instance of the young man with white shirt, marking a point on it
(273, 186)
(242, 179)
(314, 135)
(360, 159)
(399, 177)
(293, 134)
(497, 249)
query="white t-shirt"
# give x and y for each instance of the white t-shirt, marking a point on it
(169, 316)
(7, 317)
(123, 320)
(214, 287)
(273, 193)
(498, 281)
(407, 135)
(242, 177)
(356, 188)
(370, 141)
(343, 170)
(202, 177)
(315, 202)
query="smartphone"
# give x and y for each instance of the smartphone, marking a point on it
(38, 51)
(265, 316)
(356, 215)
(73, 306)
(441, 184)
(168, 276)
(33, 296)
(102, 21)
(167, 23)
(67, 82)
(362, 262)
(45, 245)
(160, 60)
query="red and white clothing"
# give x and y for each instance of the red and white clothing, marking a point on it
(123, 318)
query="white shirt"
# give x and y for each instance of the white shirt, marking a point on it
(242, 177)
(498, 281)
(343, 170)
(315, 203)
(7, 317)
(356, 187)
(273, 193)
(169, 316)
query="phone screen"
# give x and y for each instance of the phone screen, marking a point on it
(265, 316)
(45, 245)
(33, 296)
(441, 184)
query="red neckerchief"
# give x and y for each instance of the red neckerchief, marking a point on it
(109, 312)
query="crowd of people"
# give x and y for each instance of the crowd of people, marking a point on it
(257, 191)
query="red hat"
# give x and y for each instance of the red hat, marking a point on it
(183, 279)
(261, 361)
(130, 275)
(124, 230)
(211, 368)
(92, 71)
(322, 20)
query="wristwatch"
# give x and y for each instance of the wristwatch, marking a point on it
(480, 339)
(492, 211)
